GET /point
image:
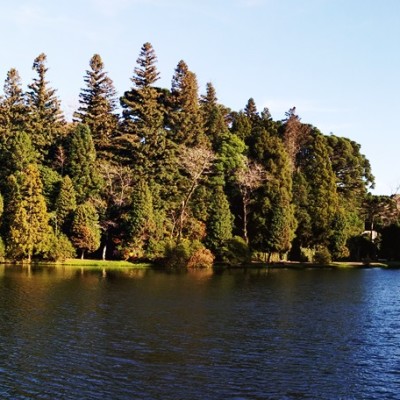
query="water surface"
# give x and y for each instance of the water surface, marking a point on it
(144, 334)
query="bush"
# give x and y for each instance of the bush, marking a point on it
(188, 254)
(201, 258)
(322, 256)
(60, 248)
(236, 251)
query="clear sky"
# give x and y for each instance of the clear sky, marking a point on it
(337, 61)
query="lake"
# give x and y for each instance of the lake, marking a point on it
(236, 334)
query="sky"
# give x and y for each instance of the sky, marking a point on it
(336, 61)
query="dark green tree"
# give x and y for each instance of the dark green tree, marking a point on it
(82, 166)
(45, 120)
(13, 109)
(65, 205)
(219, 223)
(98, 105)
(185, 117)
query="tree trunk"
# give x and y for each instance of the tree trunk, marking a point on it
(104, 252)
(83, 254)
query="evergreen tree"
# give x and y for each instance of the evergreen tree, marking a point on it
(65, 205)
(30, 231)
(82, 167)
(140, 220)
(85, 229)
(98, 105)
(273, 220)
(13, 110)
(322, 206)
(219, 223)
(186, 121)
(46, 121)
(142, 143)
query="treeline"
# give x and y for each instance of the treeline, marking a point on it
(168, 174)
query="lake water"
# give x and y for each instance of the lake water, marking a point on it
(278, 334)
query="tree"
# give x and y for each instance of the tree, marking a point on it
(143, 137)
(85, 229)
(186, 121)
(219, 223)
(46, 121)
(249, 178)
(30, 231)
(140, 218)
(65, 205)
(13, 107)
(294, 134)
(82, 166)
(98, 105)
(273, 221)
(214, 117)
(196, 162)
(315, 164)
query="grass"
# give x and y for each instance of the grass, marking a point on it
(76, 262)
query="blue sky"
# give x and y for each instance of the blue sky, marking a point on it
(337, 61)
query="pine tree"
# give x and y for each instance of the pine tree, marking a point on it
(98, 105)
(82, 166)
(13, 110)
(85, 229)
(46, 121)
(30, 231)
(143, 138)
(65, 205)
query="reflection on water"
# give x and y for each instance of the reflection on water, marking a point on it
(238, 334)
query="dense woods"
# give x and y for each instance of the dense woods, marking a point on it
(171, 174)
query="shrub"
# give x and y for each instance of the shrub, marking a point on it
(201, 258)
(236, 251)
(60, 248)
(322, 256)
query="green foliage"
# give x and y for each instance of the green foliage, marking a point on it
(65, 205)
(219, 223)
(187, 254)
(322, 256)
(82, 167)
(237, 251)
(30, 230)
(60, 248)
(85, 232)
(51, 185)
(98, 105)
(46, 121)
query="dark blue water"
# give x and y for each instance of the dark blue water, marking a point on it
(311, 334)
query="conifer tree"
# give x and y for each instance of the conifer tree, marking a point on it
(219, 223)
(65, 205)
(186, 120)
(85, 229)
(13, 110)
(30, 231)
(140, 220)
(142, 143)
(46, 121)
(82, 166)
(273, 220)
(98, 105)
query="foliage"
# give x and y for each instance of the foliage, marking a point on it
(60, 248)
(322, 256)
(86, 229)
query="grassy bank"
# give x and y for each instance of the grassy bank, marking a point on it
(76, 262)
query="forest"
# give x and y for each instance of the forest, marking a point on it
(173, 176)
